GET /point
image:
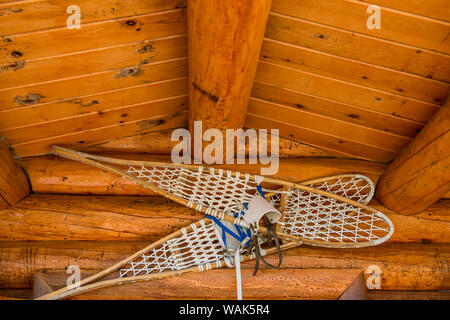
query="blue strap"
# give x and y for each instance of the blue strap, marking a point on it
(241, 237)
(243, 232)
(260, 190)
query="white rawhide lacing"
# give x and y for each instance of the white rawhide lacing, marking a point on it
(306, 215)
(219, 192)
(315, 217)
(198, 247)
(355, 187)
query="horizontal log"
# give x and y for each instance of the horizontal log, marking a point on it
(49, 174)
(26, 294)
(69, 217)
(160, 143)
(16, 294)
(66, 217)
(430, 225)
(420, 175)
(292, 284)
(20, 260)
(402, 266)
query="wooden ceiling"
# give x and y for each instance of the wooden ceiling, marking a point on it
(323, 78)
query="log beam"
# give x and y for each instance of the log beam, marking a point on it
(50, 174)
(292, 284)
(223, 47)
(96, 218)
(160, 142)
(14, 184)
(420, 175)
(402, 266)
(70, 217)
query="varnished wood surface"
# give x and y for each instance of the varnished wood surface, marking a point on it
(420, 175)
(402, 266)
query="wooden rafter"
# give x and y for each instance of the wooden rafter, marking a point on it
(420, 175)
(224, 42)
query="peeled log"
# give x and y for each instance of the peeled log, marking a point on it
(70, 217)
(429, 226)
(20, 260)
(420, 175)
(224, 48)
(224, 52)
(292, 284)
(403, 266)
(160, 142)
(50, 174)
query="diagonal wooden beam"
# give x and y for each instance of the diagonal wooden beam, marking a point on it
(225, 38)
(13, 183)
(420, 175)
(292, 284)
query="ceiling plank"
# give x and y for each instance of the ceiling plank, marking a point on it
(34, 15)
(344, 92)
(327, 142)
(92, 83)
(47, 43)
(436, 9)
(344, 43)
(345, 112)
(351, 15)
(322, 123)
(26, 116)
(86, 62)
(364, 74)
(104, 133)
